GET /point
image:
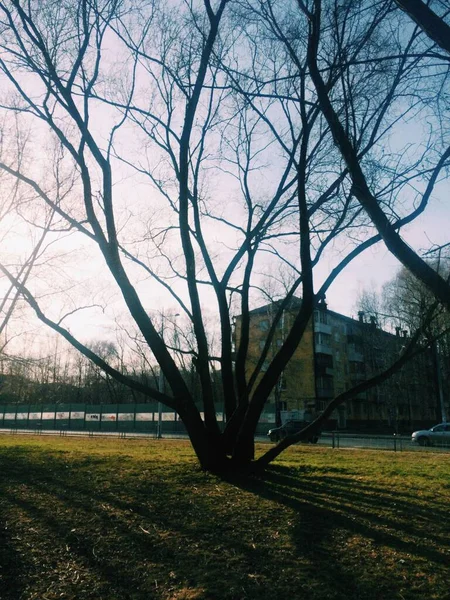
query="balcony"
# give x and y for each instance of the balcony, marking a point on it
(321, 348)
(322, 371)
(322, 327)
(324, 362)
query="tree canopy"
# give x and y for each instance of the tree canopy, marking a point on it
(191, 145)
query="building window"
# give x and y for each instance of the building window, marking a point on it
(320, 317)
(325, 382)
(356, 367)
(282, 385)
(356, 409)
(323, 339)
(325, 385)
(264, 325)
(324, 360)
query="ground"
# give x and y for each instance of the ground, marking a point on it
(118, 519)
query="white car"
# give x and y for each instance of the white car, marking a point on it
(439, 435)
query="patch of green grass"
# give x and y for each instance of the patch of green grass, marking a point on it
(117, 519)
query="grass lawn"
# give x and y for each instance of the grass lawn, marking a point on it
(132, 520)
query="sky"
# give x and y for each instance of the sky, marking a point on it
(77, 275)
(377, 265)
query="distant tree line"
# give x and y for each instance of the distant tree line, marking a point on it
(69, 378)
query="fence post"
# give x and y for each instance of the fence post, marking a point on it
(395, 442)
(333, 443)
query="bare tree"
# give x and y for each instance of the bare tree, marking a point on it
(361, 186)
(21, 259)
(406, 302)
(433, 25)
(212, 108)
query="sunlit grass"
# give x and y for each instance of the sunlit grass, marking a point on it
(126, 519)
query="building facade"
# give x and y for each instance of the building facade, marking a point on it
(336, 353)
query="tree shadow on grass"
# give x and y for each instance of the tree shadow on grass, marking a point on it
(366, 540)
(11, 565)
(153, 540)
(93, 528)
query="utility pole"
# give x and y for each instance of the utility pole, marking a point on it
(439, 382)
(161, 385)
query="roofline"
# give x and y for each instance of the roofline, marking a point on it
(297, 303)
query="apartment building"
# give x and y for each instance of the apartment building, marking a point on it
(336, 353)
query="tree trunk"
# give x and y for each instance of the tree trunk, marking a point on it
(434, 26)
(207, 444)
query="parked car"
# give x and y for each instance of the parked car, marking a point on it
(439, 435)
(290, 427)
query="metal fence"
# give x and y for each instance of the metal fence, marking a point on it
(396, 442)
(149, 418)
(332, 439)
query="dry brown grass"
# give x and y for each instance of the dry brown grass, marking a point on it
(132, 520)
